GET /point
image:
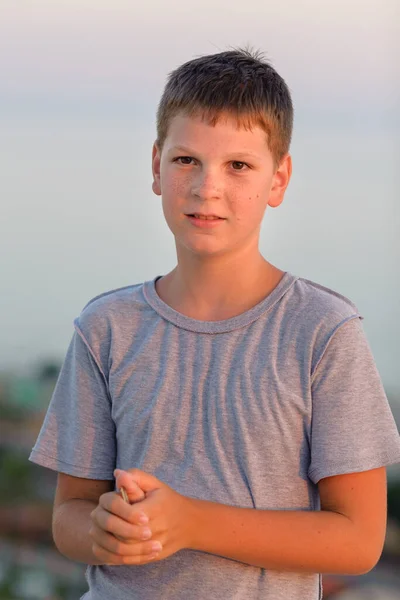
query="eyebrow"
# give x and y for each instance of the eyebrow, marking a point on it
(230, 155)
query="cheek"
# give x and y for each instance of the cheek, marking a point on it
(244, 203)
(174, 187)
(249, 208)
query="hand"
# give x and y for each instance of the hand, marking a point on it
(104, 530)
(167, 510)
(137, 494)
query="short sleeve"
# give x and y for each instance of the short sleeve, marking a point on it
(352, 425)
(78, 433)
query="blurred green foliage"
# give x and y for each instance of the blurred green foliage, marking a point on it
(15, 477)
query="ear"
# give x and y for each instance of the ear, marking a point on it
(280, 181)
(156, 160)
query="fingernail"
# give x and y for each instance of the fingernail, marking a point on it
(146, 534)
(156, 546)
(143, 519)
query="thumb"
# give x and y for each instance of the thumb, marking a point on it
(130, 491)
(132, 479)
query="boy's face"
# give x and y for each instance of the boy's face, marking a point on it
(225, 171)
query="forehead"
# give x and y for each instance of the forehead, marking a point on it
(228, 132)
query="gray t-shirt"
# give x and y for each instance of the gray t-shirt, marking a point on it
(251, 411)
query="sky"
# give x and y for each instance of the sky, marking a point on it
(79, 87)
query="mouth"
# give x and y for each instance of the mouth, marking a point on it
(213, 218)
(205, 223)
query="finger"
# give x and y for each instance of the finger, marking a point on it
(111, 544)
(113, 503)
(108, 558)
(133, 490)
(146, 481)
(135, 494)
(111, 551)
(119, 527)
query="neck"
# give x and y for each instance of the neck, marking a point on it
(218, 292)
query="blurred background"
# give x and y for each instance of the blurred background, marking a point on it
(79, 87)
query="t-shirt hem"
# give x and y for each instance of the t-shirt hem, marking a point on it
(374, 463)
(56, 464)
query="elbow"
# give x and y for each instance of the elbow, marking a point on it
(369, 562)
(58, 530)
(367, 550)
(363, 555)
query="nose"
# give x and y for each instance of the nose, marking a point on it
(206, 185)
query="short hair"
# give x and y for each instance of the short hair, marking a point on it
(239, 82)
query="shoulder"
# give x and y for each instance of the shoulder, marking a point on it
(321, 307)
(112, 298)
(105, 311)
(317, 313)
(323, 303)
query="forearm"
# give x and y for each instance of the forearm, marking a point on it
(71, 524)
(298, 541)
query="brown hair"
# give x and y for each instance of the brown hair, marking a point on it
(238, 82)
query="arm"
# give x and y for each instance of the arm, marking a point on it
(74, 501)
(345, 537)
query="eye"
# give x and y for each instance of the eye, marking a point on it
(189, 158)
(185, 160)
(237, 162)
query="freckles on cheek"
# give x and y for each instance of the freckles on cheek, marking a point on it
(175, 186)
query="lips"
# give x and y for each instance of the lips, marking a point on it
(198, 215)
(204, 223)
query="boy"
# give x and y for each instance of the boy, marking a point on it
(241, 401)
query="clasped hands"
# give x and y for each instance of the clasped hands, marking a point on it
(121, 538)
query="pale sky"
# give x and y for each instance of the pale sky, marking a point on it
(79, 86)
